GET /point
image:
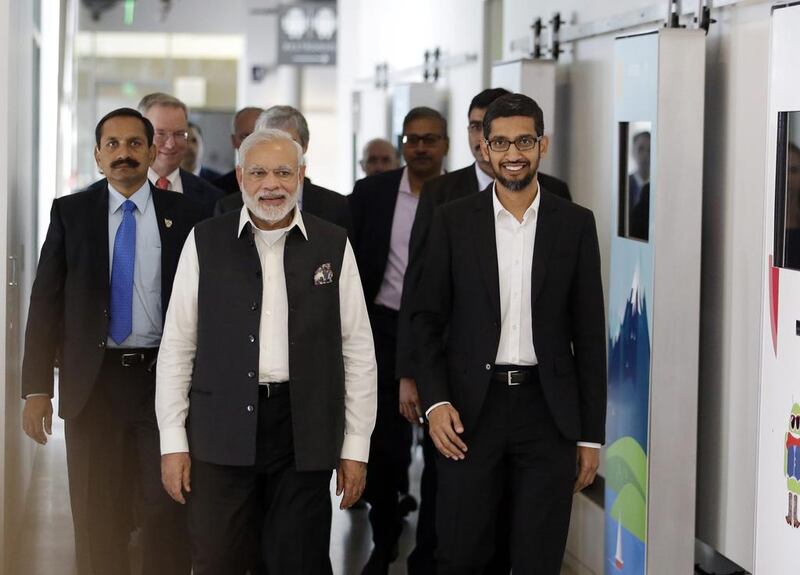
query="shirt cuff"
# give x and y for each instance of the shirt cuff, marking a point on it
(355, 448)
(174, 440)
(434, 406)
(589, 444)
(37, 395)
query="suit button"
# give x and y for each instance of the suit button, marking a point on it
(101, 344)
(105, 313)
(250, 409)
(254, 306)
(251, 338)
(251, 374)
(488, 367)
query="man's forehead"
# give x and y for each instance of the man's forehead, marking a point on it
(424, 126)
(163, 113)
(512, 125)
(276, 153)
(122, 127)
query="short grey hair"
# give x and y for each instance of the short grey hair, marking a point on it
(285, 117)
(161, 99)
(264, 135)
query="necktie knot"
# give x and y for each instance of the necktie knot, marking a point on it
(128, 206)
(162, 183)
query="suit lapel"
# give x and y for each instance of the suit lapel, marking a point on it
(486, 248)
(165, 218)
(472, 180)
(99, 237)
(546, 233)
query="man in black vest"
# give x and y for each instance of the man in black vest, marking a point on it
(101, 289)
(512, 347)
(268, 352)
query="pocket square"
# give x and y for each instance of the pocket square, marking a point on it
(323, 275)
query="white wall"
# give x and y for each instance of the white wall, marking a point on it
(399, 33)
(735, 129)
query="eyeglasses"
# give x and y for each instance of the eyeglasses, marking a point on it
(427, 139)
(162, 137)
(523, 143)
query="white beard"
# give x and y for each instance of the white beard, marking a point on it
(270, 215)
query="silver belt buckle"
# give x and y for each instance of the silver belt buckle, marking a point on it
(509, 374)
(126, 356)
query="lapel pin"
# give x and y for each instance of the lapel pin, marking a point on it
(168, 222)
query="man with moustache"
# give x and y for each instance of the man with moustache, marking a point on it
(266, 375)
(313, 199)
(101, 289)
(244, 124)
(383, 208)
(170, 119)
(379, 156)
(514, 391)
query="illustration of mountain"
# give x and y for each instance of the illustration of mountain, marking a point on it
(629, 370)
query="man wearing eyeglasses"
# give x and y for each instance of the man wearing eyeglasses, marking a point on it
(512, 362)
(383, 208)
(449, 187)
(170, 119)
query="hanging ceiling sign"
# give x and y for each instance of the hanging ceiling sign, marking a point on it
(307, 34)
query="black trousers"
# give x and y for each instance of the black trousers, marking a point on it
(114, 469)
(266, 518)
(389, 454)
(515, 452)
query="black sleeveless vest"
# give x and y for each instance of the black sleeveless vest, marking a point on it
(223, 412)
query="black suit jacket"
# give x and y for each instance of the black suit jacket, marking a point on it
(228, 183)
(372, 205)
(457, 313)
(200, 191)
(209, 174)
(317, 201)
(437, 192)
(70, 296)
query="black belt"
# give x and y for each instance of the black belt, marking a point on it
(516, 375)
(273, 388)
(132, 357)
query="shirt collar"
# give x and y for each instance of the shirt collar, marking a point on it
(405, 183)
(484, 179)
(152, 175)
(533, 208)
(140, 197)
(297, 220)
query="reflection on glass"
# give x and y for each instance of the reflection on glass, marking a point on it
(634, 180)
(792, 237)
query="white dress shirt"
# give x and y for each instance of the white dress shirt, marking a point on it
(175, 183)
(484, 179)
(179, 342)
(514, 243)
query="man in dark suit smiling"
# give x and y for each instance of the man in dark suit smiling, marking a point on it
(511, 338)
(101, 290)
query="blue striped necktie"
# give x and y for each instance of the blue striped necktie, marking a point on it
(122, 265)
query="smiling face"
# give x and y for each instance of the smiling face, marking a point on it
(123, 154)
(269, 177)
(515, 170)
(171, 138)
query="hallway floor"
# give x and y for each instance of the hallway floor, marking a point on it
(46, 546)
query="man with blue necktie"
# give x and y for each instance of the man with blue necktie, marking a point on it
(97, 306)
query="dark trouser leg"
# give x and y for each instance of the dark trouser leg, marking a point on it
(223, 506)
(422, 560)
(542, 468)
(164, 523)
(383, 470)
(100, 504)
(469, 493)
